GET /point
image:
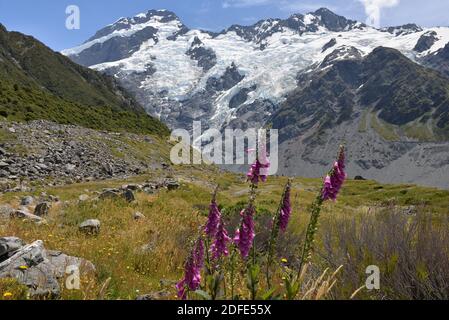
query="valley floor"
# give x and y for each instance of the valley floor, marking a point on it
(146, 256)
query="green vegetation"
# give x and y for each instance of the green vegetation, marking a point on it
(37, 83)
(384, 129)
(419, 131)
(172, 219)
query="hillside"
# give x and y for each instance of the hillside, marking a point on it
(37, 83)
(320, 78)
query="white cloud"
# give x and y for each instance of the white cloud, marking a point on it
(373, 10)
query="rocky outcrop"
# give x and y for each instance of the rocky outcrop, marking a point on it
(426, 41)
(49, 152)
(36, 267)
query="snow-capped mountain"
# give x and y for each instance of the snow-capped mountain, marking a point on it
(248, 76)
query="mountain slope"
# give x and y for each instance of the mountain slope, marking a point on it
(168, 66)
(37, 83)
(385, 82)
(319, 78)
(391, 112)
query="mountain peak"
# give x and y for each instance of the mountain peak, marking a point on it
(333, 21)
(323, 11)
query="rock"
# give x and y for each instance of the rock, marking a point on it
(8, 246)
(148, 190)
(26, 201)
(39, 269)
(91, 226)
(30, 268)
(83, 197)
(42, 209)
(6, 211)
(133, 187)
(23, 214)
(128, 195)
(60, 261)
(159, 295)
(359, 178)
(173, 185)
(109, 194)
(138, 216)
(3, 164)
(108, 169)
(410, 211)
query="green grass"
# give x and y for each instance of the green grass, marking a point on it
(419, 131)
(173, 218)
(385, 130)
(37, 83)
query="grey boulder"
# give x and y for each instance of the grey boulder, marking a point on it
(39, 269)
(91, 226)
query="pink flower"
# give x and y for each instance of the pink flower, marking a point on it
(192, 271)
(258, 172)
(213, 219)
(259, 169)
(244, 236)
(220, 246)
(335, 179)
(286, 209)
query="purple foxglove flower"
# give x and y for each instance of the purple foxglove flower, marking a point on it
(258, 172)
(335, 179)
(245, 235)
(259, 169)
(213, 219)
(286, 209)
(192, 271)
(220, 246)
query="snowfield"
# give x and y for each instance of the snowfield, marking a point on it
(273, 70)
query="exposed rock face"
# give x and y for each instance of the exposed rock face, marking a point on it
(426, 41)
(205, 57)
(438, 61)
(330, 44)
(304, 76)
(378, 147)
(37, 268)
(404, 29)
(63, 154)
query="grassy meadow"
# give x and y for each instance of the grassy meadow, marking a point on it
(403, 229)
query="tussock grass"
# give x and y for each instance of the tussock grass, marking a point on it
(125, 270)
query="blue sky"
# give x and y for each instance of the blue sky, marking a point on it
(45, 19)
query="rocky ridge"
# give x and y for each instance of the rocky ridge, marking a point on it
(46, 152)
